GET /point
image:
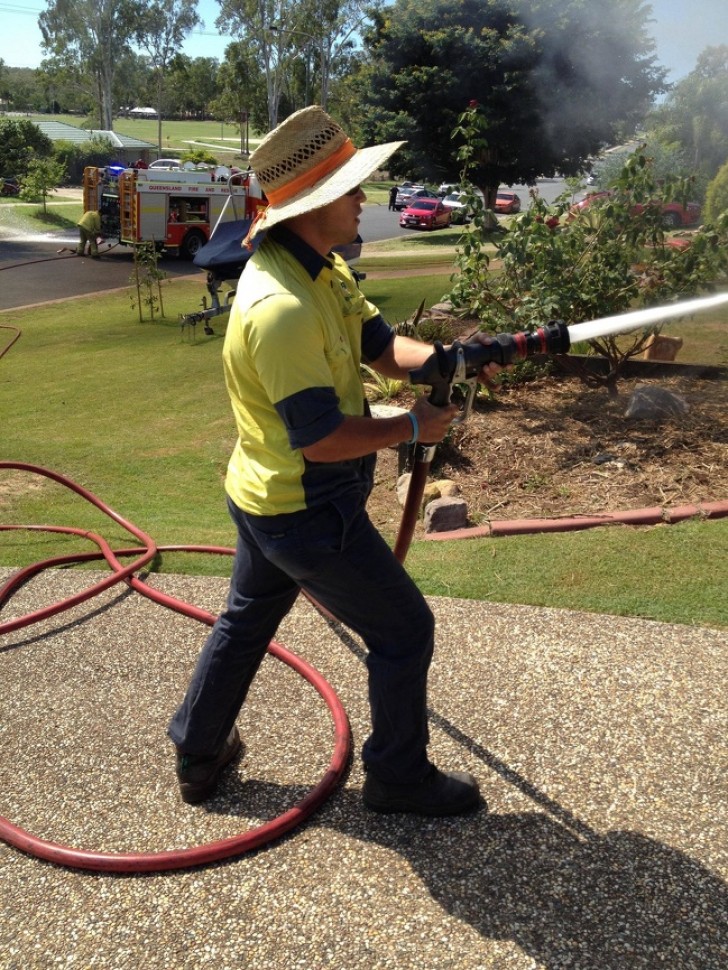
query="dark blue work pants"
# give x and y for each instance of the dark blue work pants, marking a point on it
(336, 555)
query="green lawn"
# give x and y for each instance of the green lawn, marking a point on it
(138, 414)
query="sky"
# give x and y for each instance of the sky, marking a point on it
(682, 30)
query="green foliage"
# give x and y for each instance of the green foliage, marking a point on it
(532, 66)
(716, 199)
(694, 115)
(378, 387)
(43, 177)
(147, 279)
(74, 157)
(198, 156)
(578, 265)
(667, 162)
(20, 142)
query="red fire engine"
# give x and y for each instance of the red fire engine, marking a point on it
(176, 210)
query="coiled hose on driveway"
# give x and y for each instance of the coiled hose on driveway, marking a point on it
(142, 554)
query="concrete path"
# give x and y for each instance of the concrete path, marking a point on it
(600, 744)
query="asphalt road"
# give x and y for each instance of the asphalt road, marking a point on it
(33, 271)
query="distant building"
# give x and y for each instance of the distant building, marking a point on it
(127, 150)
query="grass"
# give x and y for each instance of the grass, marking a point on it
(138, 414)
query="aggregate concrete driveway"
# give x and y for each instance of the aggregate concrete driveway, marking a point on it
(600, 744)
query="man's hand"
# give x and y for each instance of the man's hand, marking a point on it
(434, 422)
(490, 372)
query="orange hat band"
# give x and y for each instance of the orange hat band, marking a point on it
(313, 175)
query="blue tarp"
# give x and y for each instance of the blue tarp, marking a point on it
(224, 255)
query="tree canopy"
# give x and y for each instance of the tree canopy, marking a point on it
(694, 115)
(92, 35)
(555, 78)
(20, 142)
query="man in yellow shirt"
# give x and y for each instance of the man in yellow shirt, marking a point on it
(302, 470)
(89, 228)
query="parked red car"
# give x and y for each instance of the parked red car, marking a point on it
(507, 202)
(9, 187)
(425, 214)
(674, 214)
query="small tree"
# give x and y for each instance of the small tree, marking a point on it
(20, 142)
(613, 256)
(42, 179)
(147, 279)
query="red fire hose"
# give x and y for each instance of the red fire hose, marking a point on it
(197, 855)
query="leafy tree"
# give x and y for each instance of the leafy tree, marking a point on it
(74, 158)
(70, 88)
(20, 142)
(91, 36)
(667, 161)
(133, 84)
(274, 34)
(43, 177)
(241, 87)
(716, 199)
(614, 256)
(249, 21)
(694, 115)
(161, 26)
(23, 90)
(555, 79)
(192, 85)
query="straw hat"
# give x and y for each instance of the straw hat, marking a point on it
(306, 163)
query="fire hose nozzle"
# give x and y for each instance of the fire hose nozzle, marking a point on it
(461, 363)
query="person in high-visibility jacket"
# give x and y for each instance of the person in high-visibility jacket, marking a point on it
(89, 227)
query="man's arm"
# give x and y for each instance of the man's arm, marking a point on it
(356, 437)
(400, 356)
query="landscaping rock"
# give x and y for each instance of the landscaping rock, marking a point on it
(446, 515)
(655, 403)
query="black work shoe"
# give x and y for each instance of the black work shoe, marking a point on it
(439, 793)
(198, 773)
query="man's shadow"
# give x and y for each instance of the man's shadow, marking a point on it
(568, 897)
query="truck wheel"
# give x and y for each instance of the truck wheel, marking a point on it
(192, 244)
(671, 220)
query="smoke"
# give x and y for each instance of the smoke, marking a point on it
(593, 70)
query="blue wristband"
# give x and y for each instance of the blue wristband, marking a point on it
(415, 429)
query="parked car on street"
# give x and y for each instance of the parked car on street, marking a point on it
(168, 164)
(675, 215)
(405, 192)
(455, 202)
(10, 186)
(446, 188)
(425, 213)
(507, 202)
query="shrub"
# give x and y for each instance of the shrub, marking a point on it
(614, 256)
(716, 198)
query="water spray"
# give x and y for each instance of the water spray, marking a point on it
(624, 322)
(461, 363)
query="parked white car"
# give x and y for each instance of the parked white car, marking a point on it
(166, 164)
(454, 202)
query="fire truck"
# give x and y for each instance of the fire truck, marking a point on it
(176, 210)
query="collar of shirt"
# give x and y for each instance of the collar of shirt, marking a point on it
(311, 261)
